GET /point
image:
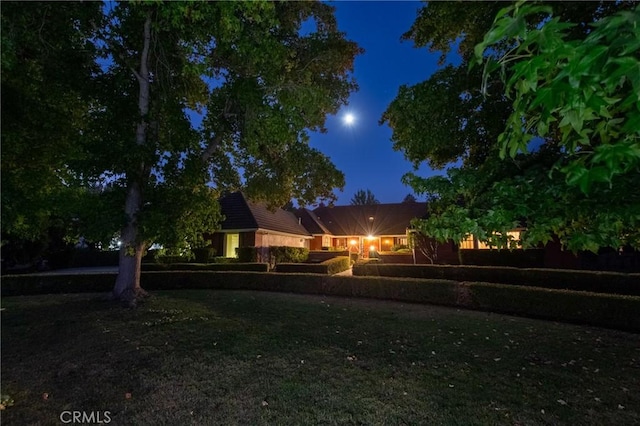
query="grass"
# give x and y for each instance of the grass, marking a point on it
(230, 357)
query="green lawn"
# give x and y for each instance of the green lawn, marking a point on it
(222, 357)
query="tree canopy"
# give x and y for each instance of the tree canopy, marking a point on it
(47, 69)
(363, 197)
(564, 107)
(258, 80)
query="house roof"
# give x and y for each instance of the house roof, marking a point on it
(311, 222)
(241, 213)
(376, 219)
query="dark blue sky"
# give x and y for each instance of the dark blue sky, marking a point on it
(363, 152)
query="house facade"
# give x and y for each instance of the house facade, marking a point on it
(249, 224)
(362, 229)
(376, 230)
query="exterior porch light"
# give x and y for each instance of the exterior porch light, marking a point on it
(353, 242)
(369, 237)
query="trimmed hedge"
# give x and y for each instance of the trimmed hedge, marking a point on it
(255, 267)
(530, 258)
(593, 281)
(286, 254)
(328, 267)
(247, 254)
(606, 310)
(321, 256)
(614, 311)
(204, 254)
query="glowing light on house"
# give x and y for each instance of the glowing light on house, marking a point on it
(372, 248)
(353, 242)
(369, 237)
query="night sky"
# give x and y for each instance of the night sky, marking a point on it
(363, 151)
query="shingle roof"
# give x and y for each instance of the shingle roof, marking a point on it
(311, 222)
(376, 219)
(241, 213)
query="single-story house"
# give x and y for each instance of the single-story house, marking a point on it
(359, 229)
(249, 224)
(365, 229)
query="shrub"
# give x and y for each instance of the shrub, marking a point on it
(530, 258)
(257, 267)
(328, 267)
(337, 264)
(169, 259)
(581, 307)
(303, 268)
(220, 259)
(204, 254)
(247, 254)
(594, 281)
(285, 254)
(605, 310)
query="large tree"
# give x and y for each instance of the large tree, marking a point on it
(364, 197)
(48, 65)
(263, 83)
(489, 193)
(259, 80)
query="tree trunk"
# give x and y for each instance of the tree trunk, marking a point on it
(127, 287)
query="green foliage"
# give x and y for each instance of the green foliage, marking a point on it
(598, 282)
(328, 267)
(223, 266)
(459, 114)
(337, 264)
(286, 254)
(597, 309)
(585, 91)
(204, 254)
(604, 310)
(47, 67)
(98, 99)
(247, 254)
(530, 258)
(445, 118)
(410, 198)
(362, 197)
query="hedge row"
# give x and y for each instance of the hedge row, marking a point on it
(606, 310)
(328, 267)
(593, 281)
(530, 258)
(255, 267)
(279, 254)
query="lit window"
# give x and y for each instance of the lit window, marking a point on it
(467, 243)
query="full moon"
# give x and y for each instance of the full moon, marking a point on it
(349, 119)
